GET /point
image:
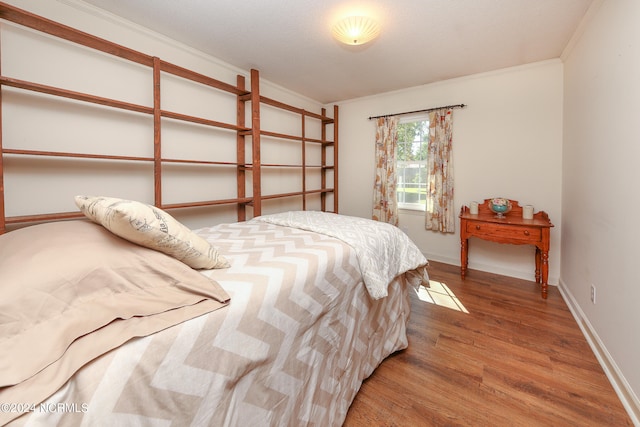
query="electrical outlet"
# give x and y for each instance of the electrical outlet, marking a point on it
(593, 293)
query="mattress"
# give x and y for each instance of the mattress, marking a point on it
(299, 335)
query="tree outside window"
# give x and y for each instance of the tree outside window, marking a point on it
(411, 159)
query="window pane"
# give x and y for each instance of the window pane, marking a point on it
(402, 149)
(423, 184)
(411, 164)
(400, 188)
(421, 150)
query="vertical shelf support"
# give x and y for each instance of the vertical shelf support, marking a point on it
(325, 167)
(255, 143)
(2, 212)
(240, 151)
(323, 173)
(157, 148)
(335, 158)
(304, 162)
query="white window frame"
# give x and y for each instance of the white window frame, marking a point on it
(411, 206)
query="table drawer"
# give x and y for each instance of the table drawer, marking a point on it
(504, 231)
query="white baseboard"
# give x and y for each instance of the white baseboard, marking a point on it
(628, 398)
(518, 274)
(442, 259)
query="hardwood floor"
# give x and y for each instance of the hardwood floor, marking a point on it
(512, 359)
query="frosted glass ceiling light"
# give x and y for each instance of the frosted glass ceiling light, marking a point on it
(356, 30)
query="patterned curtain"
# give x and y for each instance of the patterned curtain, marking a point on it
(440, 215)
(385, 203)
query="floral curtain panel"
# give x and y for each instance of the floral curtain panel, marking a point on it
(439, 212)
(385, 202)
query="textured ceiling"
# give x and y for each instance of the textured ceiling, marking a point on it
(422, 41)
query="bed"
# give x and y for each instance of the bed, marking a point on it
(215, 283)
(297, 315)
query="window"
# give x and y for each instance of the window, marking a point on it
(411, 163)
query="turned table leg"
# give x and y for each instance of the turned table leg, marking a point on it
(545, 273)
(464, 257)
(538, 265)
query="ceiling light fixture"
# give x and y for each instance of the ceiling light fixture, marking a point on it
(356, 30)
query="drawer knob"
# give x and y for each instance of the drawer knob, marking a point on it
(477, 227)
(526, 232)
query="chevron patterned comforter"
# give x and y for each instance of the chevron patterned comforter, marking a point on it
(292, 348)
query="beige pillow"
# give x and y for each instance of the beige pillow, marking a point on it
(151, 227)
(62, 281)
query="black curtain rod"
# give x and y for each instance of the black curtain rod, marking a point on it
(420, 111)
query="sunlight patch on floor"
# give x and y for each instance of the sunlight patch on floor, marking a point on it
(439, 293)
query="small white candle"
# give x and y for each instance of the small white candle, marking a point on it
(527, 212)
(473, 208)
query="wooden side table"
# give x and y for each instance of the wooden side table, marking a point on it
(512, 229)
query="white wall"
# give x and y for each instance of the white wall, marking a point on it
(601, 155)
(507, 143)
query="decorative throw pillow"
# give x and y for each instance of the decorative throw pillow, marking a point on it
(151, 227)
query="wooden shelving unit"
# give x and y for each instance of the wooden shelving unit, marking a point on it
(304, 166)
(243, 130)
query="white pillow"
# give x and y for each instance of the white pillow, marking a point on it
(151, 227)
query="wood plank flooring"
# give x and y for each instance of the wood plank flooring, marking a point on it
(509, 359)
